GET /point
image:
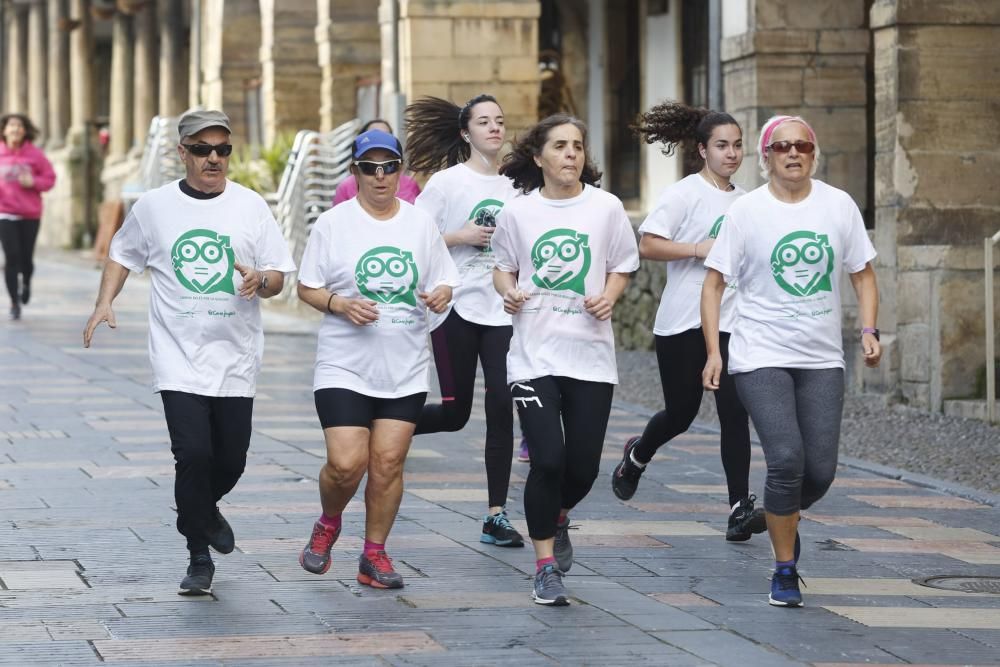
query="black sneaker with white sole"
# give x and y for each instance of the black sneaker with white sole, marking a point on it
(199, 576)
(745, 521)
(625, 478)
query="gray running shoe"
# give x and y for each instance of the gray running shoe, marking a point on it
(563, 549)
(199, 576)
(315, 557)
(377, 571)
(549, 589)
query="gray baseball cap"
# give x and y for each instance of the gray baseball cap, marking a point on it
(193, 122)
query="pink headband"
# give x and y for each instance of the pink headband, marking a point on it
(765, 139)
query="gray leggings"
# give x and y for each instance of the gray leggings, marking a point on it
(797, 415)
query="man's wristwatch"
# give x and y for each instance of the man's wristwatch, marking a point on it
(263, 282)
(871, 330)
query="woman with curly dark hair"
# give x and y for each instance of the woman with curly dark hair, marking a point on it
(25, 174)
(464, 199)
(564, 252)
(680, 231)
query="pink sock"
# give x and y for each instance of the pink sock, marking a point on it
(331, 522)
(372, 547)
(562, 515)
(542, 562)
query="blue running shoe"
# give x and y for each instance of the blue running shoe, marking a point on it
(497, 530)
(785, 588)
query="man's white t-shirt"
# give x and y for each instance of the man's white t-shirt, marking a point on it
(203, 337)
(689, 212)
(788, 260)
(562, 251)
(390, 262)
(453, 197)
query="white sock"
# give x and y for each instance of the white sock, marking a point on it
(631, 457)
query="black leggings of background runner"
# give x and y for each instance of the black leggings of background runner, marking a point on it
(681, 359)
(458, 344)
(18, 240)
(565, 421)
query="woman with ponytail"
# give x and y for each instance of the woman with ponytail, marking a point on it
(680, 231)
(464, 199)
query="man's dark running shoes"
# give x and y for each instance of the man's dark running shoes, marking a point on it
(220, 536)
(199, 576)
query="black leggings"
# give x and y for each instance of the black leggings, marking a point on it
(458, 343)
(681, 359)
(565, 421)
(209, 438)
(18, 240)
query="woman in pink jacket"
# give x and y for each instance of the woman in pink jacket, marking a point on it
(25, 174)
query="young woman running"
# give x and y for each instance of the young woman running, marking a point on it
(680, 231)
(564, 252)
(464, 200)
(788, 244)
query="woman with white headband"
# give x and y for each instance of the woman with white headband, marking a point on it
(787, 244)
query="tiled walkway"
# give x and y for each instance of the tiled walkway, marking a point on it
(90, 560)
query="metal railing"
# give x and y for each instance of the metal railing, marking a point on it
(160, 162)
(316, 165)
(990, 313)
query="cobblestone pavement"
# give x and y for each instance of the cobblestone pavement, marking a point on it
(90, 559)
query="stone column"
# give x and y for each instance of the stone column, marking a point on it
(37, 67)
(58, 77)
(456, 49)
(17, 46)
(121, 88)
(81, 53)
(146, 74)
(173, 69)
(230, 58)
(802, 58)
(937, 135)
(290, 73)
(349, 49)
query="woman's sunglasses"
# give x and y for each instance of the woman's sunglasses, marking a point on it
(785, 146)
(204, 150)
(370, 168)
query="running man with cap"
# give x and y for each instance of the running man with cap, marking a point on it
(213, 250)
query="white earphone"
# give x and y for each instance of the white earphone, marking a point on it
(465, 135)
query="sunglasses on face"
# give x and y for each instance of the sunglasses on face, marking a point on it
(204, 150)
(785, 146)
(370, 168)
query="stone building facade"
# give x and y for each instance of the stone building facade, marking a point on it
(900, 92)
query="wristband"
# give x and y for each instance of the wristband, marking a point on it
(328, 302)
(870, 330)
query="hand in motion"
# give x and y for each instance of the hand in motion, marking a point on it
(251, 280)
(26, 180)
(872, 350)
(477, 235)
(102, 313)
(358, 311)
(513, 299)
(599, 306)
(437, 300)
(712, 372)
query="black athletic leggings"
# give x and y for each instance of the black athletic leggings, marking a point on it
(681, 359)
(18, 240)
(565, 421)
(457, 344)
(209, 438)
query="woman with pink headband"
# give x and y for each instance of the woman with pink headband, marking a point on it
(787, 244)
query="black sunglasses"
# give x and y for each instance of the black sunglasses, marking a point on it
(204, 150)
(370, 167)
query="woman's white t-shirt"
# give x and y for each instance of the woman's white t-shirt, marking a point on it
(562, 251)
(453, 197)
(203, 337)
(689, 211)
(789, 260)
(390, 262)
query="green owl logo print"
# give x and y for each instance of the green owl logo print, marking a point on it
(802, 263)
(387, 275)
(561, 259)
(204, 262)
(485, 214)
(713, 233)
